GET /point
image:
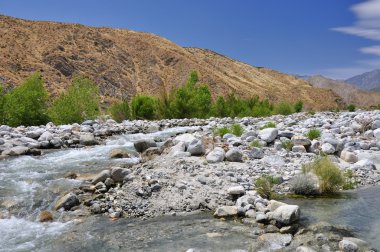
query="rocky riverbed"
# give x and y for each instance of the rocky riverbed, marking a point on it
(171, 172)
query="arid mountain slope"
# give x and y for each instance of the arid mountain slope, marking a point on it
(124, 62)
(349, 93)
(366, 81)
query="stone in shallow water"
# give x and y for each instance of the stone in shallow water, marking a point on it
(274, 241)
(144, 144)
(67, 202)
(286, 214)
(347, 246)
(101, 176)
(226, 211)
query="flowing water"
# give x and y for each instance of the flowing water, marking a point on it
(29, 185)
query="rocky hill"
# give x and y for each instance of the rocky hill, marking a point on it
(367, 81)
(124, 62)
(349, 93)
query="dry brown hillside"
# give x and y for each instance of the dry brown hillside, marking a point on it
(349, 93)
(124, 62)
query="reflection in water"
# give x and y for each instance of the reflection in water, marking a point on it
(361, 212)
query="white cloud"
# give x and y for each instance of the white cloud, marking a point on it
(367, 24)
(371, 50)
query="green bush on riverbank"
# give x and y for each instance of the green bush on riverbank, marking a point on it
(28, 103)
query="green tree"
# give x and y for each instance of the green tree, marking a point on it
(2, 119)
(298, 106)
(81, 102)
(283, 108)
(144, 107)
(220, 108)
(120, 111)
(27, 103)
(191, 100)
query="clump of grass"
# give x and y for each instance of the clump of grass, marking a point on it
(256, 143)
(313, 134)
(349, 180)
(221, 131)
(268, 125)
(287, 145)
(237, 129)
(264, 186)
(330, 177)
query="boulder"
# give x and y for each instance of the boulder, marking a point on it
(186, 138)
(45, 136)
(256, 153)
(226, 211)
(268, 135)
(274, 241)
(348, 156)
(375, 125)
(144, 144)
(301, 140)
(286, 214)
(119, 153)
(305, 249)
(45, 216)
(376, 133)
(348, 246)
(196, 148)
(101, 176)
(87, 139)
(328, 148)
(118, 174)
(15, 151)
(67, 202)
(234, 155)
(299, 148)
(236, 190)
(216, 155)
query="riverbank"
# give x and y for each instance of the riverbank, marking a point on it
(168, 173)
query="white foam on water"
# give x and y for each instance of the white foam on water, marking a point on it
(23, 235)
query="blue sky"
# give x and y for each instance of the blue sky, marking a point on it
(336, 38)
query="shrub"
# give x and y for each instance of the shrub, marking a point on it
(221, 131)
(304, 184)
(190, 100)
(262, 108)
(220, 108)
(81, 102)
(264, 185)
(143, 107)
(287, 145)
(330, 177)
(298, 106)
(313, 134)
(351, 107)
(2, 119)
(283, 108)
(237, 129)
(256, 143)
(120, 111)
(349, 180)
(268, 125)
(27, 103)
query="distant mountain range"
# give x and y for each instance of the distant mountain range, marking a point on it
(367, 81)
(349, 93)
